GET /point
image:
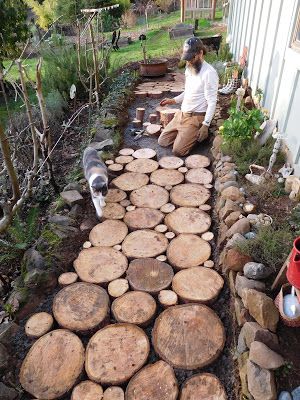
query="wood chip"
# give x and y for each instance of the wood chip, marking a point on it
(38, 325)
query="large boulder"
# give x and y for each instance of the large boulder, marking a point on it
(242, 283)
(232, 218)
(242, 226)
(264, 357)
(229, 207)
(72, 197)
(235, 260)
(254, 270)
(232, 193)
(252, 331)
(261, 382)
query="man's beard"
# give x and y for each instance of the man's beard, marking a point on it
(195, 66)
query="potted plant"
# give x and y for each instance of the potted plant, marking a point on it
(149, 67)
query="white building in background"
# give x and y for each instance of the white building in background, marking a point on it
(270, 29)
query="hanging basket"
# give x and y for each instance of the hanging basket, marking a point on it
(293, 322)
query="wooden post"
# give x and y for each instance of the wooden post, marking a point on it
(214, 3)
(182, 9)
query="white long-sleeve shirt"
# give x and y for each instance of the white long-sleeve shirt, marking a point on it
(200, 92)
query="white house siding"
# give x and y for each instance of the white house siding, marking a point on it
(266, 27)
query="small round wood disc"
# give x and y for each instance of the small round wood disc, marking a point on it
(38, 325)
(109, 162)
(130, 181)
(114, 393)
(100, 265)
(207, 236)
(115, 167)
(187, 250)
(153, 129)
(199, 175)
(209, 264)
(115, 195)
(167, 298)
(123, 159)
(125, 203)
(115, 353)
(134, 307)
(167, 208)
(150, 196)
(149, 275)
(203, 386)
(143, 218)
(155, 381)
(118, 287)
(67, 278)
(81, 307)
(108, 233)
(113, 211)
(165, 177)
(144, 153)
(205, 207)
(188, 336)
(170, 162)
(142, 165)
(162, 257)
(197, 161)
(188, 220)
(183, 170)
(130, 208)
(161, 228)
(52, 365)
(126, 152)
(189, 195)
(197, 285)
(87, 390)
(144, 243)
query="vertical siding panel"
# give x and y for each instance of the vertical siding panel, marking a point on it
(254, 38)
(242, 30)
(249, 36)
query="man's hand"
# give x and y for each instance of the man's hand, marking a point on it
(203, 133)
(165, 102)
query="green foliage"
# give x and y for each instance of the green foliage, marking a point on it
(294, 220)
(50, 237)
(224, 52)
(55, 104)
(44, 11)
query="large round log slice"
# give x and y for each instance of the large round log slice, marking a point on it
(115, 353)
(197, 161)
(113, 211)
(81, 306)
(130, 181)
(115, 195)
(149, 275)
(166, 177)
(155, 381)
(189, 195)
(197, 285)
(199, 175)
(151, 196)
(143, 218)
(108, 233)
(134, 307)
(188, 220)
(142, 165)
(170, 162)
(188, 336)
(52, 365)
(100, 264)
(144, 153)
(188, 250)
(87, 390)
(144, 243)
(203, 387)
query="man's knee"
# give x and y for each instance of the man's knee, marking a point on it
(180, 151)
(162, 141)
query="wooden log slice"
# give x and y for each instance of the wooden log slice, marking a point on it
(150, 196)
(197, 161)
(38, 325)
(115, 196)
(114, 393)
(187, 250)
(126, 151)
(113, 211)
(209, 264)
(155, 94)
(87, 245)
(170, 162)
(153, 118)
(87, 390)
(183, 169)
(197, 285)
(165, 177)
(203, 386)
(205, 207)
(81, 307)
(199, 175)
(170, 235)
(149, 275)
(140, 113)
(188, 220)
(153, 130)
(115, 167)
(207, 236)
(115, 353)
(130, 208)
(166, 116)
(109, 162)
(67, 278)
(118, 287)
(167, 208)
(188, 336)
(130, 181)
(167, 298)
(123, 159)
(144, 153)
(161, 228)
(143, 218)
(100, 265)
(142, 165)
(189, 195)
(125, 203)
(117, 247)
(134, 307)
(145, 124)
(155, 381)
(137, 123)
(52, 365)
(144, 243)
(158, 110)
(162, 257)
(140, 94)
(108, 233)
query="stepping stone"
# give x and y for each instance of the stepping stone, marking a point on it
(205, 207)
(72, 197)
(170, 235)
(187, 250)
(130, 181)
(153, 130)
(115, 196)
(143, 218)
(166, 177)
(167, 298)
(150, 196)
(161, 228)
(197, 285)
(67, 278)
(117, 168)
(108, 233)
(142, 165)
(144, 243)
(38, 325)
(123, 159)
(113, 211)
(203, 386)
(162, 257)
(125, 203)
(87, 390)
(52, 365)
(188, 336)
(109, 162)
(167, 208)
(114, 393)
(189, 195)
(149, 275)
(155, 381)
(130, 208)
(81, 307)
(126, 152)
(115, 353)
(100, 265)
(199, 175)
(207, 236)
(188, 220)
(197, 161)
(144, 153)
(118, 287)
(170, 162)
(183, 170)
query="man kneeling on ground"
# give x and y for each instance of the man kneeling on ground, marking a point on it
(198, 101)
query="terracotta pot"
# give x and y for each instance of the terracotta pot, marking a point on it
(293, 271)
(155, 68)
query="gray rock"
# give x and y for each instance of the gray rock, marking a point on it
(226, 159)
(261, 382)
(250, 235)
(72, 197)
(7, 331)
(4, 358)
(254, 270)
(252, 331)
(241, 346)
(64, 231)
(242, 226)
(76, 211)
(228, 184)
(32, 259)
(296, 393)
(61, 220)
(34, 278)
(236, 238)
(264, 357)
(7, 393)
(242, 282)
(73, 186)
(102, 145)
(284, 396)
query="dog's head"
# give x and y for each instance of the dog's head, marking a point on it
(99, 186)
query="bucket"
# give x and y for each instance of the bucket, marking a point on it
(293, 271)
(293, 322)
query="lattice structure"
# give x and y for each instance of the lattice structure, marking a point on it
(198, 9)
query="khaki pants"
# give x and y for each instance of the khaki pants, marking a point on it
(182, 132)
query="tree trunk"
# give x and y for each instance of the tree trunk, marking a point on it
(96, 67)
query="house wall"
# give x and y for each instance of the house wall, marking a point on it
(266, 28)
